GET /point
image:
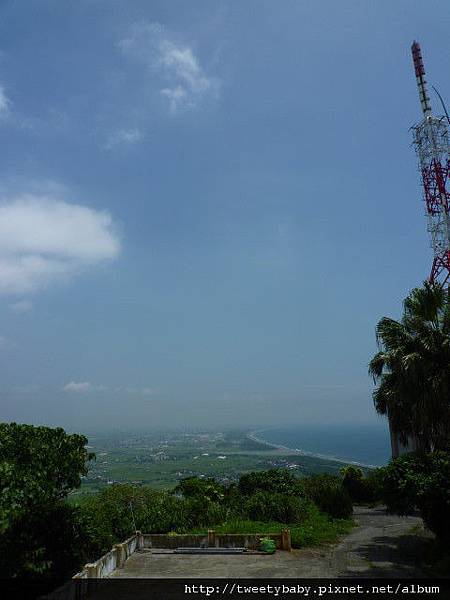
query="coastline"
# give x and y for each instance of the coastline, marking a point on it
(254, 435)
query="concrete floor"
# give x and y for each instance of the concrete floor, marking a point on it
(380, 546)
(160, 564)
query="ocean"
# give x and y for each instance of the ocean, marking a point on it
(364, 444)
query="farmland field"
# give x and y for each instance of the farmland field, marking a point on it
(161, 460)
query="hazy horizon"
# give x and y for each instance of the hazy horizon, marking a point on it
(204, 213)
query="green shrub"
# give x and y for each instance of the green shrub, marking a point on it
(362, 489)
(216, 513)
(401, 483)
(353, 481)
(267, 506)
(329, 495)
(168, 513)
(375, 482)
(317, 528)
(108, 515)
(113, 514)
(36, 549)
(201, 511)
(421, 481)
(195, 487)
(278, 481)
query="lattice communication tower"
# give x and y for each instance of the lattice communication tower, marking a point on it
(432, 147)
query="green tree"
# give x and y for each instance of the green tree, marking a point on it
(328, 494)
(280, 481)
(39, 466)
(194, 487)
(412, 369)
(419, 480)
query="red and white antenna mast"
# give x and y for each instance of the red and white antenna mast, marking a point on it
(432, 147)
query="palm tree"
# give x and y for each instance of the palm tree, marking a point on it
(412, 369)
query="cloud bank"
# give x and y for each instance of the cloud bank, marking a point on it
(45, 240)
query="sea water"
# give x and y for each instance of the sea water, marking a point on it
(364, 444)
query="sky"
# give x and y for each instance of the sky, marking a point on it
(204, 212)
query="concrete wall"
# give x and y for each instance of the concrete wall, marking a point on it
(216, 540)
(112, 560)
(162, 540)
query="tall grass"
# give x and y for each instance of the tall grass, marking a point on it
(315, 529)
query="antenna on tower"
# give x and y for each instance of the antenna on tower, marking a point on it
(420, 78)
(432, 147)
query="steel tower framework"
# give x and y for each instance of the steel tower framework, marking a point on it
(431, 142)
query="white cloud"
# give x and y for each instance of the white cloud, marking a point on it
(79, 387)
(4, 103)
(44, 240)
(149, 392)
(84, 387)
(176, 97)
(187, 81)
(23, 306)
(123, 137)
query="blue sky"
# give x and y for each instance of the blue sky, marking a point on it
(204, 212)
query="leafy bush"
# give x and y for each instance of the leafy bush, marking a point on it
(318, 528)
(353, 481)
(402, 482)
(421, 481)
(267, 506)
(375, 483)
(167, 513)
(329, 495)
(36, 549)
(113, 514)
(216, 513)
(362, 489)
(278, 481)
(194, 487)
(109, 514)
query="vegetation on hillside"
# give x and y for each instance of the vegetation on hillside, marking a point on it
(43, 536)
(38, 468)
(421, 481)
(262, 502)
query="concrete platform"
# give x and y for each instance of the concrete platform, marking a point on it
(167, 564)
(380, 546)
